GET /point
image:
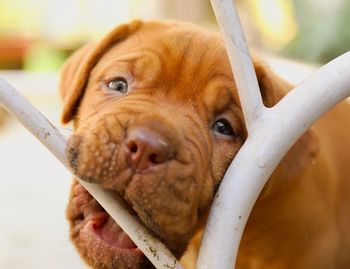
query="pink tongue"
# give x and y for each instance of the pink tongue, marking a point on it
(114, 235)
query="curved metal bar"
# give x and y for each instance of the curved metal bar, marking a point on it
(241, 62)
(260, 155)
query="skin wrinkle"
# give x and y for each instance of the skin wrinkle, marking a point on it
(178, 194)
(132, 108)
(229, 101)
(134, 102)
(162, 179)
(77, 120)
(166, 84)
(181, 65)
(158, 75)
(172, 80)
(94, 108)
(128, 101)
(198, 144)
(149, 213)
(198, 65)
(197, 148)
(140, 46)
(147, 55)
(171, 186)
(128, 58)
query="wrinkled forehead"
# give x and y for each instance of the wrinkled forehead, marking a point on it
(172, 56)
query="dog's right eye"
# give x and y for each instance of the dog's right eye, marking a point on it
(223, 127)
(119, 85)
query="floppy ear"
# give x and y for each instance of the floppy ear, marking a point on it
(272, 87)
(76, 70)
(70, 68)
(300, 156)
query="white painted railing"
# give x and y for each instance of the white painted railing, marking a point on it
(266, 145)
(268, 138)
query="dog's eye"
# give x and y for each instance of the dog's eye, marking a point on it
(222, 126)
(119, 85)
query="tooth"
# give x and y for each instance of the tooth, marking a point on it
(98, 220)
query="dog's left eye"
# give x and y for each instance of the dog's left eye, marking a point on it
(119, 85)
(222, 126)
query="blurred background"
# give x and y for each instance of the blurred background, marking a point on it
(40, 34)
(36, 36)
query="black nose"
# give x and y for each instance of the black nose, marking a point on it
(147, 148)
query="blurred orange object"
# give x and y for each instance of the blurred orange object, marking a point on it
(12, 52)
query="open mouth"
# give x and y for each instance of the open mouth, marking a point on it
(100, 237)
(106, 229)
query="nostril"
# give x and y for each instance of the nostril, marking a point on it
(147, 148)
(154, 158)
(133, 147)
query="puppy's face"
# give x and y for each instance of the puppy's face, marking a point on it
(158, 123)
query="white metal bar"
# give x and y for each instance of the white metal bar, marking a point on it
(260, 155)
(55, 142)
(241, 62)
(267, 142)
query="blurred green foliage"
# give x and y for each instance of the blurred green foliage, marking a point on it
(323, 30)
(42, 57)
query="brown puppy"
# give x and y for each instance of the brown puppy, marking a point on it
(157, 120)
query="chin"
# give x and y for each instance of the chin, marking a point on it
(98, 238)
